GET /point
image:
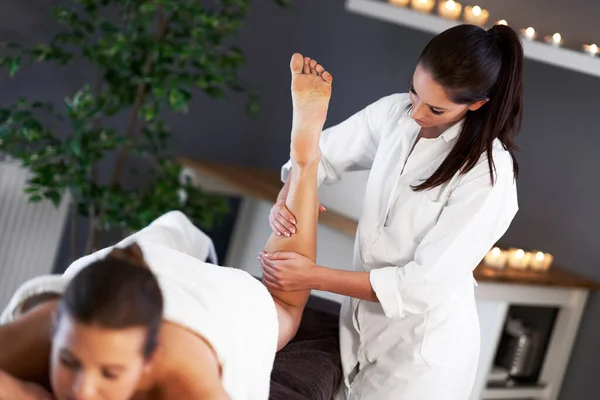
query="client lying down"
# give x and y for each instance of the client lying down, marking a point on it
(149, 319)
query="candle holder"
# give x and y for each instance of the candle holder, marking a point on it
(554, 40)
(449, 9)
(529, 33)
(496, 258)
(424, 6)
(540, 261)
(518, 258)
(591, 49)
(401, 3)
(476, 15)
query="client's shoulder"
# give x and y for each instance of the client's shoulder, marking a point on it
(186, 365)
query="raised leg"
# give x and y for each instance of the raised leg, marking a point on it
(311, 91)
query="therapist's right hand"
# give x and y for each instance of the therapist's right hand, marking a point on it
(282, 221)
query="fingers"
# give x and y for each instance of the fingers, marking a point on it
(273, 227)
(269, 273)
(286, 219)
(281, 229)
(277, 256)
(322, 209)
(289, 226)
(270, 280)
(282, 221)
(286, 214)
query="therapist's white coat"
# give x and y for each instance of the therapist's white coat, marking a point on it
(421, 342)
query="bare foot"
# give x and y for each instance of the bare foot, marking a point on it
(311, 91)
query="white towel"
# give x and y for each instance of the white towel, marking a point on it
(228, 307)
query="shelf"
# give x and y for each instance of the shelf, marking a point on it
(514, 393)
(253, 182)
(265, 184)
(542, 52)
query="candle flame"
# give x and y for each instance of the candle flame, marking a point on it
(495, 251)
(476, 11)
(450, 4)
(556, 38)
(540, 256)
(520, 254)
(530, 32)
(502, 22)
(594, 48)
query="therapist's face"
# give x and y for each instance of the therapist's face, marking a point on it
(431, 106)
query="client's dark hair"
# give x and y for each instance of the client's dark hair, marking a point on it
(117, 292)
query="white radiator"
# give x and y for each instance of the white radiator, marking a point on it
(29, 233)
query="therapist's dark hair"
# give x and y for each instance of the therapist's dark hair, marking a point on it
(474, 64)
(117, 292)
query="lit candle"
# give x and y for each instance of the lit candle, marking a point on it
(401, 3)
(423, 5)
(554, 40)
(541, 261)
(591, 49)
(529, 33)
(502, 22)
(476, 15)
(496, 258)
(518, 258)
(449, 9)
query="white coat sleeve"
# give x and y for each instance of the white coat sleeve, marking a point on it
(352, 144)
(476, 216)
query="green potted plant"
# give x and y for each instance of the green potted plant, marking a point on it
(149, 57)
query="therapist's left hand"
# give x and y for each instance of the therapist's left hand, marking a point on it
(287, 271)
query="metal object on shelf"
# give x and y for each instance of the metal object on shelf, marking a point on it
(519, 351)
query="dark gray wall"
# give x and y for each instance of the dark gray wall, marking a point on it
(559, 185)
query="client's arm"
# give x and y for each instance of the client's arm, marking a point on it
(13, 389)
(311, 90)
(25, 344)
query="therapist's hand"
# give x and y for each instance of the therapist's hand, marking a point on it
(287, 271)
(282, 221)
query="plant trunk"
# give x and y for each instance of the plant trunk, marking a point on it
(131, 131)
(74, 233)
(92, 237)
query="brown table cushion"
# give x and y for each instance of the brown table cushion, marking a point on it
(309, 367)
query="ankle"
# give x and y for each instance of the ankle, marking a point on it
(307, 164)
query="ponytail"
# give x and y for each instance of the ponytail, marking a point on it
(504, 112)
(474, 64)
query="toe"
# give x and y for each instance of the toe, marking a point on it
(320, 69)
(306, 65)
(296, 64)
(313, 66)
(327, 77)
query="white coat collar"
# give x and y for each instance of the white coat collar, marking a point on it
(453, 131)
